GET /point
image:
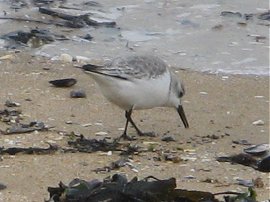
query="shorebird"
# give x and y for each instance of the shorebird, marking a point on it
(139, 82)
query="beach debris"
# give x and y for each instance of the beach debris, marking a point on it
(258, 122)
(258, 150)
(203, 93)
(46, 2)
(64, 57)
(10, 103)
(2, 186)
(247, 16)
(82, 59)
(231, 14)
(34, 38)
(262, 165)
(77, 94)
(101, 133)
(131, 149)
(75, 21)
(26, 128)
(189, 177)
(241, 142)
(264, 16)
(92, 4)
(217, 27)
(82, 144)
(258, 182)
(88, 37)
(249, 196)
(168, 138)
(172, 157)
(30, 150)
(244, 159)
(10, 115)
(118, 188)
(210, 180)
(122, 162)
(246, 183)
(7, 57)
(68, 82)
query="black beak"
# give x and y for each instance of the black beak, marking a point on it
(182, 115)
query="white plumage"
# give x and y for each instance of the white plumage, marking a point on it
(139, 82)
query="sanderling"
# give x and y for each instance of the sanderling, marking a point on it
(139, 82)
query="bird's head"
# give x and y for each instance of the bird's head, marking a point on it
(177, 91)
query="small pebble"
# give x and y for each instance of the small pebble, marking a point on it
(77, 94)
(2, 186)
(168, 138)
(258, 183)
(189, 177)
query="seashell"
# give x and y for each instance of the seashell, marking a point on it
(259, 149)
(63, 82)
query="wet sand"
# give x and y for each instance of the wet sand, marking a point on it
(221, 105)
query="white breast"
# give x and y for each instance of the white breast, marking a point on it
(136, 94)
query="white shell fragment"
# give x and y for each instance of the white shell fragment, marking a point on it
(258, 123)
(101, 133)
(65, 57)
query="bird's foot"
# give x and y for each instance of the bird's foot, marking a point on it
(124, 136)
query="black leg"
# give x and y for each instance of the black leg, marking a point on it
(124, 135)
(129, 119)
(140, 133)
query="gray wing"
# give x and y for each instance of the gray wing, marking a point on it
(134, 67)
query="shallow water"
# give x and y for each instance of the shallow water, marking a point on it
(187, 34)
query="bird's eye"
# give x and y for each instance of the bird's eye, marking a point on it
(180, 94)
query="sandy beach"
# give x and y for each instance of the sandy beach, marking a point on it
(220, 105)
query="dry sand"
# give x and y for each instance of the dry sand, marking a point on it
(228, 106)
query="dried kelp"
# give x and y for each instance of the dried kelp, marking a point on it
(33, 38)
(149, 189)
(116, 188)
(25, 128)
(82, 144)
(262, 165)
(30, 150)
